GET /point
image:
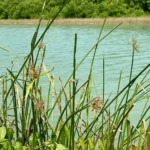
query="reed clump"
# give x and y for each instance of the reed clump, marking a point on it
(28, 121)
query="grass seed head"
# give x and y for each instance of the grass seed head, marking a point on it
(39, 106)
(97, 104)
(41, 45)
(34, 72)
(135, 45)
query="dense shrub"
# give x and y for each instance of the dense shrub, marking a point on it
(70, 10)
(16, 9)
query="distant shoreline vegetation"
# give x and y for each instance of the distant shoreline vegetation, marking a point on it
(31, 9)
(80, 21)
(72, 114)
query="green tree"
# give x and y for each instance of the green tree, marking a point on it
(17, 9)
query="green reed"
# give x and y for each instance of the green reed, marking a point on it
(28, 119)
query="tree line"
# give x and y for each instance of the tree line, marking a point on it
(29, 9)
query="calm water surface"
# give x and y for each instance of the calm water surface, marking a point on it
(116, 49)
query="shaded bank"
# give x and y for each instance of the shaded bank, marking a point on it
(125, 20)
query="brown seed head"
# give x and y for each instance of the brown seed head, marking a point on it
(97, 104)
(39, 106)
(34, 72)
(41, 45)
(135, 46)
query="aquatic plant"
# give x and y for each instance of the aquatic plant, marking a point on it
(63, 120)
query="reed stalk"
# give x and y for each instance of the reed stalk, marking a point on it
(63, 119)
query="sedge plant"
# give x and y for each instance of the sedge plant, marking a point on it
(27, 119)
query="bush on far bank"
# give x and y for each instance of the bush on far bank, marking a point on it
(31, 9)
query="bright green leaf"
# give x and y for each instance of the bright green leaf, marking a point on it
(148, 136)
(18, 146)
(25, 148)
(29, 88)
(67, 132)
(10, 133)
(92, 147)
(101, 144)
(83, 145)
(60, 147)
(2, 132)
(33, 135)
(3, 141)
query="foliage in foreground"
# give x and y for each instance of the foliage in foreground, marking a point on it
(63, 120)
(21, 9)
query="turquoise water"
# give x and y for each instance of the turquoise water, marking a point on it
(116, 49)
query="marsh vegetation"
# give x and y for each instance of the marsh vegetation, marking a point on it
(31, 9)
(82, 122)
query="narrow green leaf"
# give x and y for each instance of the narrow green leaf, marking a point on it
(83, 145)
(53, 137)
(75, 146)
(101, 144)
(129, 135)
(91, 144)
(49, 77)
(12, 53)
(10, 133)
(67, 132)
(140, 136)
(29, 88)
(148, 136)
(33, 40)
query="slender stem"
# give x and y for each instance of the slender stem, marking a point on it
(107, 105)
(74, 91)
(103, 92)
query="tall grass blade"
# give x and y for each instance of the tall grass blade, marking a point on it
(74, 93)
(148, 136)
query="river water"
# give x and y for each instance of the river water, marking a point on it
(116, 49)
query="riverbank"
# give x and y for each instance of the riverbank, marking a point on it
(125, 20)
